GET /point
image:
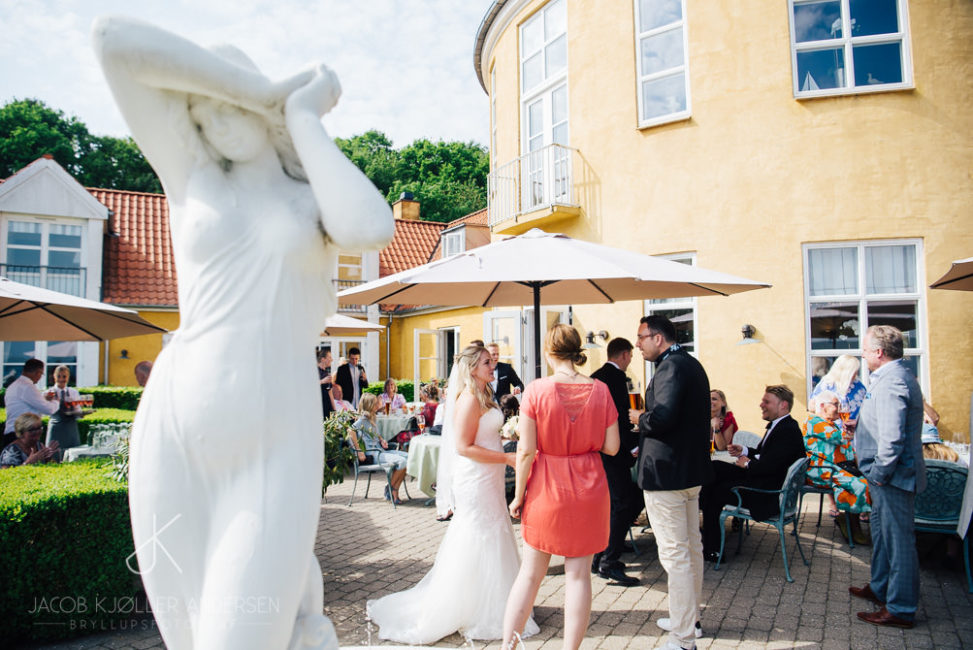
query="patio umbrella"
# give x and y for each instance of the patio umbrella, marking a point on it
(338, 324)
(959, 276)
(518, 270)
(29, 313)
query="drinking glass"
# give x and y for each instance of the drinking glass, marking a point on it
(421, 423)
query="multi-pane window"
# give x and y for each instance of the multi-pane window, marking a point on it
(662, 61)
(46, 255)
(52, 353)
(849, 46)
(681, 311)
(852, 286)
(544, 174)
(454, 242)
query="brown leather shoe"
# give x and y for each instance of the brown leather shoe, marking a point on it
(883, 618)
(866, 593)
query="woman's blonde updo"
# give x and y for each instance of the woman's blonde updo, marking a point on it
(465, 363)
(564, 342)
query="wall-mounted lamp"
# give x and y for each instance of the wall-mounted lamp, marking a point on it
(124, 354)
(748, 331)
(590, 339)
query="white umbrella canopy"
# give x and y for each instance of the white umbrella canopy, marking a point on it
(29, 313)
(959, 277)
(338, 325)
(519, 270)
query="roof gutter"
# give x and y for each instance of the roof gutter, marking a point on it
(481, 33)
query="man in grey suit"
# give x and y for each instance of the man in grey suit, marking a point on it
(889, 450)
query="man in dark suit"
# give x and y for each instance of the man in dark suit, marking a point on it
(889, 451)
(674, 432)
(351, 377)
(626, 498)
(764, 467)
(505, 380)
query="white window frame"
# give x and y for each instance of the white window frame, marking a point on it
(360, 266)
(863, 299)
(544, 89)
(641, 79)
(666, 304)
(847, 42)
(493, 117)
(454, 242)
(45, 249)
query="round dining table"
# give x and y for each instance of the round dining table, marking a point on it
(424, 461)
(389, 426)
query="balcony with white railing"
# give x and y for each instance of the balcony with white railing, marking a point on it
(70, 280)
(533, 190)
(341, 285)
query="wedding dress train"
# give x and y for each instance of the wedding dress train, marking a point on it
(466, 589)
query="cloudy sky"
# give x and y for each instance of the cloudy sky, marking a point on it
(406, 66)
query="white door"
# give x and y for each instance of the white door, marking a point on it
(505, 328)
(550, 316)
(427, 360)
(544, 173)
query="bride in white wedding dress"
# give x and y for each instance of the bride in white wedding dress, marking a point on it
(466, 589)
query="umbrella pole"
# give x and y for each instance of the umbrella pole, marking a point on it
(537, 329)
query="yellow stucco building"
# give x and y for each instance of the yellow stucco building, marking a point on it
(823, 147)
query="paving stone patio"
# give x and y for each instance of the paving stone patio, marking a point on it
(369, 550)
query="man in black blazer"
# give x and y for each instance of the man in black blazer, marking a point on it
(505, 379)
(351, 377)
(764, 467)
(674, 463)
(626, 497)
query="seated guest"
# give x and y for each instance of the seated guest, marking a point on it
(430, 396)
(392, 397)
(832, 465)
(842, 380)
(933, 447)
(723, 424)
(764, 468)
(364, 437)
(340, 404)
(27, 448)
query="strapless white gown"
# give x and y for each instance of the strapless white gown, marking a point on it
(466, 590)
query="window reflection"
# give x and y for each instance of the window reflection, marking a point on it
(663, 96)
(878, 64)
(900, 314)
(835, 326)
(817, 21)
(662, 51)
(821, 69)
(873, 17)
(656, 13)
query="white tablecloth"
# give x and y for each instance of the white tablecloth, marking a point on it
(424, 461)
(390, 425)
(85, 451)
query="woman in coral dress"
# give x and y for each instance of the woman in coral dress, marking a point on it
(563, 503)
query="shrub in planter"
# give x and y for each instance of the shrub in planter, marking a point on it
(114, 397)
(337, 454)
(65, 534)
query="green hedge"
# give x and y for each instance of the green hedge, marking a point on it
(100, 416)
(65, 534)
(404, 386)
(114, 397)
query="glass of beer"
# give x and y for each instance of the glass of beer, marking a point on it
(635, 401)
(388, 407)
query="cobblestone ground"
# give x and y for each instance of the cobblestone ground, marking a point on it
(369, 550)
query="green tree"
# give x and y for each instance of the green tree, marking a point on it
(447, 178)
(29, 129)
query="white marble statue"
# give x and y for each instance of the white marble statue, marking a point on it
(226, 456)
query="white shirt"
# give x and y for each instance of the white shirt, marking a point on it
(23, 396)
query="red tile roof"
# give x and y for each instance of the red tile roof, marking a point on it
(478, 218)
(411, 246)
(139, 269)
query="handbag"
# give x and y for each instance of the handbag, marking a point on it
(851, 467)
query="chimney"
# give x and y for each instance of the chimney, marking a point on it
(406, 207)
